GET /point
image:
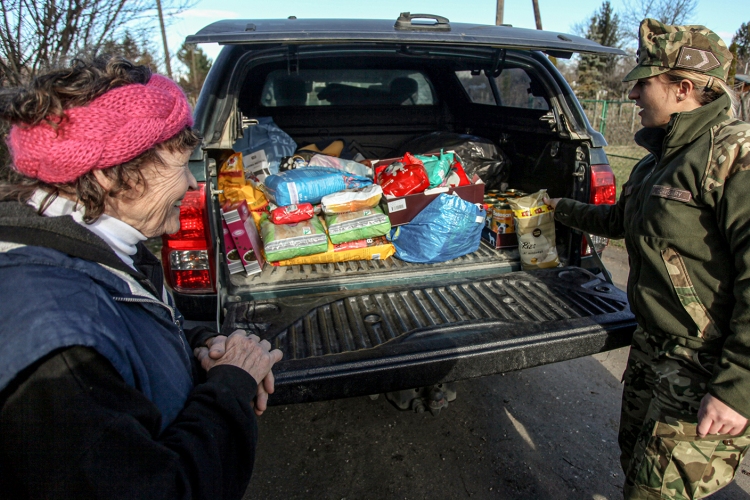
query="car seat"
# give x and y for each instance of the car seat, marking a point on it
(290, 90)
(403, 88)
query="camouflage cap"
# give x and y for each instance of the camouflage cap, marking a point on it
(662, 47)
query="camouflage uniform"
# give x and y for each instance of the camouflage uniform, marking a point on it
(685, 217)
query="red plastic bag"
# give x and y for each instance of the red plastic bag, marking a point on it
(292, 213)
(404, 177)
(456, 176)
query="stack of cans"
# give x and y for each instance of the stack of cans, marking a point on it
(499, 227)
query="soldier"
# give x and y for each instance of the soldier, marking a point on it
(685, 218)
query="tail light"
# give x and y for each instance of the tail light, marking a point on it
(187, 254)
(603, 192)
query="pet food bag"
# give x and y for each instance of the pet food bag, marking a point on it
(286, 241)
(350, 166)
(351, 200)
(358, 225)
(535, 227)
(292, 213)
(369, 249)
(447, 228)
(310, 184)
(437, 167)
(403, 177)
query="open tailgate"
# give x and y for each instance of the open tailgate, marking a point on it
(341, 344)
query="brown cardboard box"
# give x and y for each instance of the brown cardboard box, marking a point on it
(496, 240)
(403, 209)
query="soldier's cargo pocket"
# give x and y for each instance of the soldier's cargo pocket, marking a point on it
(688, 297)
(679, 464)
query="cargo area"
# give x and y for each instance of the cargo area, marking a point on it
(541, 150)
(315, 278)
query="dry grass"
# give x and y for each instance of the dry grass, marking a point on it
(622, 159)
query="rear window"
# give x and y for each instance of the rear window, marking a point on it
(352, 87)
(514, 89)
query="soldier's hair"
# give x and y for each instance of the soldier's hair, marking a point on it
(705, 87)
(48, 95)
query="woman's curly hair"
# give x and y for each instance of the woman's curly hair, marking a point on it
(48, 96)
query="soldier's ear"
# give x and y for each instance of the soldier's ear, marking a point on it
(684, 89)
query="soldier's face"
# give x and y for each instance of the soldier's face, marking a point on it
(657, 101)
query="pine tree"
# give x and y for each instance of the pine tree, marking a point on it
(197, 64)
(131, 49)
(595, 72)
(741, 40)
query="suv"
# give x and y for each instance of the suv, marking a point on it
(388, 326)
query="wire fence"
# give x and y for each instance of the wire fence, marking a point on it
(616, 120)
(619, 120)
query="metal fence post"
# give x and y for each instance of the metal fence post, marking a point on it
(603, 119)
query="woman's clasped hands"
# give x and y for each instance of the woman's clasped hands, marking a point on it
(248, 352)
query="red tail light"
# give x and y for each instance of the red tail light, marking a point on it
(603, 192)
(187, 255)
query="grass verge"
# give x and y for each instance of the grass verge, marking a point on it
(622, 159)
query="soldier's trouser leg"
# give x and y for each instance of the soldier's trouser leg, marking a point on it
(636, 396)
(669, 460)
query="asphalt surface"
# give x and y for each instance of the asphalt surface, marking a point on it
(548, 432)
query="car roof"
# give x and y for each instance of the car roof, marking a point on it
(297, 31)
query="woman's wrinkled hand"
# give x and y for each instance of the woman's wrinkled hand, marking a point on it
(247, 352)
(715, 417)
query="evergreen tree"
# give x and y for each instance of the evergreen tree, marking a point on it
(595, 72)
(741, 40)
(197, 64)
(131, 49)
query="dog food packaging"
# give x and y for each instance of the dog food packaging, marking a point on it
(535, 228)
(351, 200)
(362, 224)
(292, 213)
(286, 241)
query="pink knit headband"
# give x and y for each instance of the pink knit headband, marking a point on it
(112, 129)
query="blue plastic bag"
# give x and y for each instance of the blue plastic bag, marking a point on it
(447, 228)
(310, 184)
(269, 141)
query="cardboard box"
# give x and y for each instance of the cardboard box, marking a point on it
(245, 235)
(403, 209)
(496, 240)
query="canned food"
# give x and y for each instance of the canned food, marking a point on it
(502, 219)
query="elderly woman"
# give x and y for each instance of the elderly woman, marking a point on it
(99, 397)
(685, 217)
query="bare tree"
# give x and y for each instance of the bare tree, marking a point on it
(666, 11)
(38, 34)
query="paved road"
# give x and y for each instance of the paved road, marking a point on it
(544, 433)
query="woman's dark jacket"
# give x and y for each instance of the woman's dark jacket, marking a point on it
(97, 381)
(685, 216)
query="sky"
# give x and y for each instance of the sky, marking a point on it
(722, 16)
